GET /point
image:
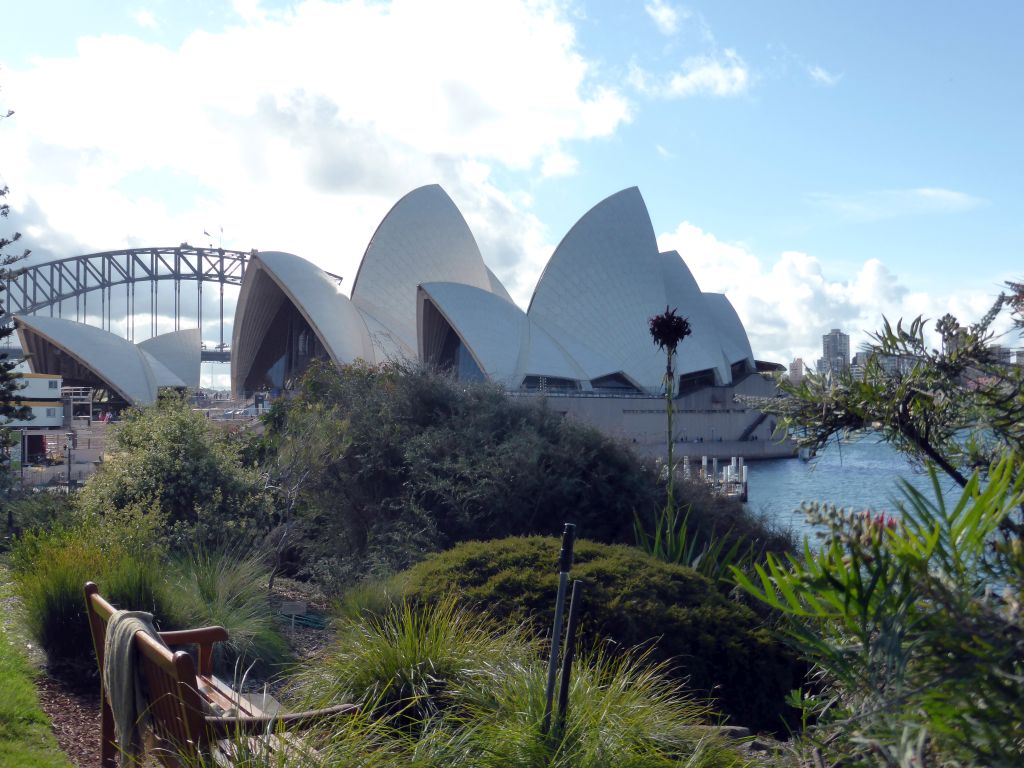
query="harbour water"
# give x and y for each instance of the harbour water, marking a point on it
(860, 474)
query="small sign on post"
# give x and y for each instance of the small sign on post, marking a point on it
(293, 608)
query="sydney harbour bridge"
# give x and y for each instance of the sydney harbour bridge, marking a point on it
(131, 289)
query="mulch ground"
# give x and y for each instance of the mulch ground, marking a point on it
(75, 715)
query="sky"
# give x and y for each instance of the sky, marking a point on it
(822, 164)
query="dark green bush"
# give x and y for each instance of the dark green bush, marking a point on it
(719, 647)
(378, 466)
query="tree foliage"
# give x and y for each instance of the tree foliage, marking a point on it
(172, 461)
(10, 382)
(914, 622)
(397, 462)
(915, 626)
(959, 407)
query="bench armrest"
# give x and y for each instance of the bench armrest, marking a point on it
(228, 727)
(204, 637)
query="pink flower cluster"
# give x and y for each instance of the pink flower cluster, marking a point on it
(879, 521)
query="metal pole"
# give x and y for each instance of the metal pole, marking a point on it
(199, 293)
(564, 566)
(69, 436)
(221, 347)
(568, 653)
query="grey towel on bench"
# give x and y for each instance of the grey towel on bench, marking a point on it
(121, 681)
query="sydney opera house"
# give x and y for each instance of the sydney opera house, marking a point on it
(423, 293)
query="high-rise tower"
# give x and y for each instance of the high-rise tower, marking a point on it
(835, 352)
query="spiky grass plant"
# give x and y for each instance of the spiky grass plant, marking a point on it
(675, 540)
(409, 662)
(462, 690)
(622, 713)
(227, 588)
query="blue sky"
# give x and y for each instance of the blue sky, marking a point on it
(820, 163)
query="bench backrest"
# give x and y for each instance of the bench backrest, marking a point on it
(175, 707)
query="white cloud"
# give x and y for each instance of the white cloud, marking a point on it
(145, 19)
(558, 164)
(823, 76)
(664, 15)
(788, 302)
(895, 203)
(663, 152)
(297, 130)
(721, 75)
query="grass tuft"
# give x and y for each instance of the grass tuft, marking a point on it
(51, 570)
(409, 662)
(228, 588)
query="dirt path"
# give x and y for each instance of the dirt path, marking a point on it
(76, 719)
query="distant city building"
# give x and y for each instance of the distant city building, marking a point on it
(796, 371)
(897, 364)
(835, 352)
(1002, 354)
(860, 364)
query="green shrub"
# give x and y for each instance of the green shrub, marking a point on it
(720, 648)
(228, 589)
(675, 540)
(915, 624)
(122, 555)
(397, 462)
(33, 511)
(171, 460)
(621, 713)
(466, 690)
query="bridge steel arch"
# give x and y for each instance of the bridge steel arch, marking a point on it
(53, 284)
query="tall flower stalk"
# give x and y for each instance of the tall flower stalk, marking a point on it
(667, 330)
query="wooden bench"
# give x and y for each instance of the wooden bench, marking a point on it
(182, 698)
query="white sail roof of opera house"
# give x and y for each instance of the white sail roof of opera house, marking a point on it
(178, 351)
(423, 291)
(607, 278)
(423, 238)
(80, 352)
(504, 343)
(276, 281)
